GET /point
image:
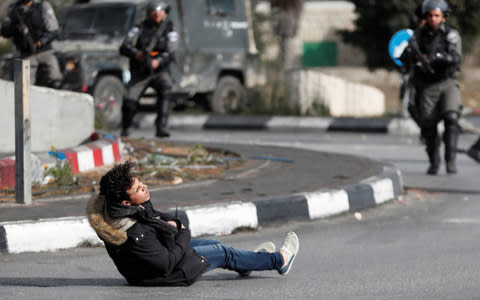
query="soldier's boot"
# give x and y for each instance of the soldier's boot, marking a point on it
(432, 142)
(474, 151)
(450, 138)
(129, 109)
(161, 122)
(56, 84)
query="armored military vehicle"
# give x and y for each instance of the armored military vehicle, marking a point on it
(216, 55)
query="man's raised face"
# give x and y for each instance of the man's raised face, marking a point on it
(138, 193)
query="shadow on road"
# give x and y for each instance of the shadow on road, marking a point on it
(56, 282)
(443, 191)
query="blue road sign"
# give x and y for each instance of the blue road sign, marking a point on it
(398, 43)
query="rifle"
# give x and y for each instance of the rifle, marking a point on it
(28, 40)
(149, 55)
(424, 63)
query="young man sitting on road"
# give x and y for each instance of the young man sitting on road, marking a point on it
(151, 248)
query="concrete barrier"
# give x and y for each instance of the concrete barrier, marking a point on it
(343, 98)
(61, 119)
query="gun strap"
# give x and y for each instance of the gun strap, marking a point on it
(436, 41)
(156, 37)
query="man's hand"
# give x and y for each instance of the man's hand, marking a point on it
(173, 223)
(155, 63)
(139, 55)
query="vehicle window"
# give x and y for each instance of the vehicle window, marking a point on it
(221, 7)
(103, 20)
(114, 19)
(79, 20)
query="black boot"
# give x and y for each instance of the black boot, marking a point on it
(474, 151)
(129, 109)
(434, 159)
(450, 138)
(56, 84)
(162, 132)
(163, 108)
(432, 142)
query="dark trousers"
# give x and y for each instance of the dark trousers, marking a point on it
(50, 62)
(161, 83)
(440, 101)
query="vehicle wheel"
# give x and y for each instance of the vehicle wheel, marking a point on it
(229, 96)
(108, 96)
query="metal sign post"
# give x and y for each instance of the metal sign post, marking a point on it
(23, 178)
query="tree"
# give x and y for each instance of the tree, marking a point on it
(378, 20)
(287, 18)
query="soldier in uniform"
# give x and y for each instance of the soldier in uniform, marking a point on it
(33, 26)
(436, 51)
(148, 46)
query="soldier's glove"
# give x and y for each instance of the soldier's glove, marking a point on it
(441, 58)
(22, 29)
(165, 59)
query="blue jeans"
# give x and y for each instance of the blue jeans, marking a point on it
(221, 256)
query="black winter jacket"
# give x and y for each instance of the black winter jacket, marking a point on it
(146, 249)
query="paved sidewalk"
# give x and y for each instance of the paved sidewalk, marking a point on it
(280, 185)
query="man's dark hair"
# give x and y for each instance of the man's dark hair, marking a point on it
(115, 183)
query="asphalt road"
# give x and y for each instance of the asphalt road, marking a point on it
(423, 246)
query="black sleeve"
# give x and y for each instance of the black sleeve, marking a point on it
(48, 37)
(162, 257)
(8, 24)
(128, 48)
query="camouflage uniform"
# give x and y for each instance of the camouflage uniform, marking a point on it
(437, 89)
(41, 26)
(153, 40)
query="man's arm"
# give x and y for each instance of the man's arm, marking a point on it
(51, 24)
(160, 257)
(128, 46)
(169, 37)
(453, 55)
(8, 26)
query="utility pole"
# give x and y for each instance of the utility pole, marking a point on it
(23, 166)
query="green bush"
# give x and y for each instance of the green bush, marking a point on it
(62, 173)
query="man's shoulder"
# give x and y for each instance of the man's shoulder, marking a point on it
(45, 5)
(453, 35)
(139, 230)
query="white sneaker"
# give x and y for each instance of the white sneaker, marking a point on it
(290, 247)
(263, 247)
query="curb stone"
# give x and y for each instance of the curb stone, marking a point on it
(63, 233)
(394, 126)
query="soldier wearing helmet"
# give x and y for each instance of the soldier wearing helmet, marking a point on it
(434, 53)
(33, 27)
(149, 48)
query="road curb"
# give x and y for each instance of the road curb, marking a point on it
(397, 126)
(393, 126)
(215, 219)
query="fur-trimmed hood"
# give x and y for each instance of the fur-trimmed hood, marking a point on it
(113, 231)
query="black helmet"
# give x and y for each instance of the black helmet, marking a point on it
(429, 5)
(157, 6)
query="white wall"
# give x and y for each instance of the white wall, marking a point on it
(61, 119)
(343, 98)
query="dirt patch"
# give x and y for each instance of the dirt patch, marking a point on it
(159, 163)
